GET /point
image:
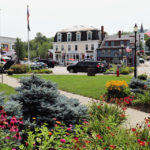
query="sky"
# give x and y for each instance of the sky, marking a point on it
(50, 16)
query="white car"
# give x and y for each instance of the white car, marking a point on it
(141, 60)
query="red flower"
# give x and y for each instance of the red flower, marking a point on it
(133, 129)
(99, 137)
(112, 146)
(17, 136)
(142, 143)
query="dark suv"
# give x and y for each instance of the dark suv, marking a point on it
(83, 66)
(49, 63)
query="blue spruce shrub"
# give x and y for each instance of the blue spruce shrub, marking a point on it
(12, 108)
(42, 100)
(137, 85)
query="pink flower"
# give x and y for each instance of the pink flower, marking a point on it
(7, 137)
(1, 109)
(17, 136)
(13, 120)
(3, 116)
(13, 149)
(14, 129)
(20, 121)
(68, 129)
(62, 140)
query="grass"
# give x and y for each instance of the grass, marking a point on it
(7, 90)
(90, 86)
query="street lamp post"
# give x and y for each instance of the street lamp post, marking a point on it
(135, 62)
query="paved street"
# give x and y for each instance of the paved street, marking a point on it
(61, 70)
(144, 68)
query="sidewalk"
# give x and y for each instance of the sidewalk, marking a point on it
(134, 116)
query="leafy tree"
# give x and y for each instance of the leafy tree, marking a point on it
(148, 43)
(20, 49)
(141, 46)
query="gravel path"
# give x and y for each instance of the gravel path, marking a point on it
(134, 116)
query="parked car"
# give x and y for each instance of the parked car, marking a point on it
(50, 63)
(83, 66)
(38, 65)
(71, 61)
(141, 60)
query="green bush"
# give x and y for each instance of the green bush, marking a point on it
(102, 112)
(142, 99)
(40, 99)
(125, 71)
(142, 77)
(20, 68)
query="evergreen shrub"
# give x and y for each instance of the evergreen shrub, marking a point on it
(142, 77)
(41, 99)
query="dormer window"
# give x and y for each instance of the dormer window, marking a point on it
(89, 35)
(78, 36)
(68, 37)
(59, 36)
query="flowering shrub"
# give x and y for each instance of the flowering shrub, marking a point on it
(9, 131)
(117, 89)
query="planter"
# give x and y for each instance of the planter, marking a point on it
(91, 72)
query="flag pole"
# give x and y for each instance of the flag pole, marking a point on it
(28, 36)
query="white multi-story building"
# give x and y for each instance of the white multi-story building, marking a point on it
(77, 43)
(7, 45)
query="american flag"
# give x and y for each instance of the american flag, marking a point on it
(28, 15)
(128, 50)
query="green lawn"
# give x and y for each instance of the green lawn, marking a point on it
(7, 90)
(90, 86)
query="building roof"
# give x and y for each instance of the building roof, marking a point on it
(130, 37)
(79, 28)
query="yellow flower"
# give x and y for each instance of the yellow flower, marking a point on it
(33, 118)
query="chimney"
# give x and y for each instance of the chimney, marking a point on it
(119, 34)
(102, 33)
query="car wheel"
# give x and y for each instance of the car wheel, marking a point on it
(71, 71)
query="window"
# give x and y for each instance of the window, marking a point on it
(69, 37)
(86, 47)
(56, 48)
(76, 47)
(69, 47)
(62, 47)
(89, 35)
(59, 37)
(109, 52)
(92, 47)
(103, 52)
(78, 36)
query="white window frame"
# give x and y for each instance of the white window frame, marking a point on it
(59, 37)
(78, 36)
(92, 47)
(89, 32)
(56, 47)
(69, 47)
(69, 40)
(75, 47)
(86, 47)
(62, 47)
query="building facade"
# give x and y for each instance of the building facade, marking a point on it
(118, 49)
(77, 43)
(7, 45)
